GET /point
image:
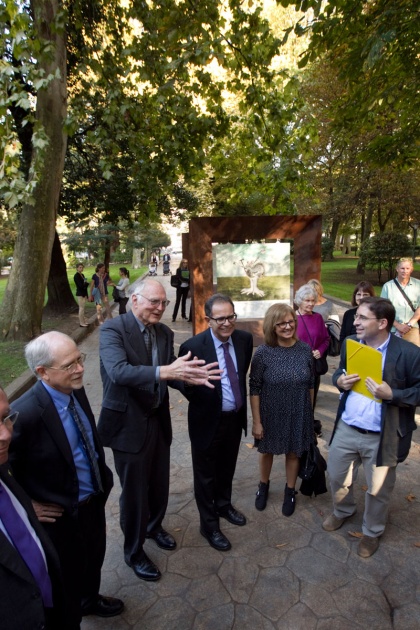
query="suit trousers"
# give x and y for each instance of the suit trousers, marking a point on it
(144, 478)
(80, 541)
(214, 468)
(348, 450)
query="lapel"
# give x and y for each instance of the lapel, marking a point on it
(52, 422)
(136, 339)
(392, 354)
(210, 356)
(240, 356)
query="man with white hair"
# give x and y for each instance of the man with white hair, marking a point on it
(57, 458)
(137, 364)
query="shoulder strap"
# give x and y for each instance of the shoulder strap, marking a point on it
(406, 298)
(304, 323)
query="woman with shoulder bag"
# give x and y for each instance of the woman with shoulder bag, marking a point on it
(312, 330)
(81, 293)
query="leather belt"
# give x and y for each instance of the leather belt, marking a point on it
(363, 431)
(229, 413)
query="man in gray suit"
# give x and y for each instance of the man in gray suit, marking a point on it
(137, 363)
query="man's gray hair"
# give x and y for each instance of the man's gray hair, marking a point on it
(306, 291)
(40, 351)
(138, 288)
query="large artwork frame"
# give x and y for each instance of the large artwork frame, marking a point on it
(304, 230)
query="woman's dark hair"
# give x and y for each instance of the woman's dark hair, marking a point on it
(99, 266)
(125, 271)
(364, 285)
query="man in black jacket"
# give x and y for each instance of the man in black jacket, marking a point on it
(216, 417)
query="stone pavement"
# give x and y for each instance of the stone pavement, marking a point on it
(282, 573)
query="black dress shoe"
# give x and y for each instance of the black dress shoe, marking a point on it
(145, 569)
(104, 607)
(233, 516)
(163, 540)
(217, 540)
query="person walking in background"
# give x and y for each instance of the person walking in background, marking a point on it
(281, 390)
(99, 292)
(137, 364)
(182, 289)
(81, 293)
(122, 287)
(216, 417)
(312, 330)
(57, 457)
(362, 289)
(374, 432)
(404, 293)
(324, 307)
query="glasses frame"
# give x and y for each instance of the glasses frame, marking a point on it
(10, 419)
(283, 325)
(363, 318)
(70, 369)
(156, 302)
(221, 320)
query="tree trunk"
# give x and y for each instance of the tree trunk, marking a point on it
(60, 297)
(21, 310)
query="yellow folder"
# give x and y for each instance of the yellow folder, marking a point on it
(364, 361)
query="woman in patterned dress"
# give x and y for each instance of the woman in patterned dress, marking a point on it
(281, 391)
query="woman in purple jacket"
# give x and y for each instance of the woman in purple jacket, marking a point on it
(312, 330)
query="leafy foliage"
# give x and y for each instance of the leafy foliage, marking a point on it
(381, 252)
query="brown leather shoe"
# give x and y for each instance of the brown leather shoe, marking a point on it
(333, 522)
(367, 546)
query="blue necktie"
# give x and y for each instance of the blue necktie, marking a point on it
(233, 377)
(87, 447)
(26, 546)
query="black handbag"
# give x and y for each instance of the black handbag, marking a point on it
(115, 294)
(311, 462)
(320, 366)
(174, 281)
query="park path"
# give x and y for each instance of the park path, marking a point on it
(282, 573)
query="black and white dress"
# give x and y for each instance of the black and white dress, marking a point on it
(282, 377)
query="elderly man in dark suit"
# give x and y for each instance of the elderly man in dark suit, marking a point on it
(375, 432)
(217, 417)
(30, 582)
(57, 458)
(137, 364)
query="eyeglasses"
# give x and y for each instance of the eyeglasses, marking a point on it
(283, 325)
(156, 303)
(363, 318)
(70, 369)
(10, 420)
(221, 320)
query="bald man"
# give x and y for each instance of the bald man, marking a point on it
(57, 458)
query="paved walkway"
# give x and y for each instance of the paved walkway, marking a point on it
(283, 573)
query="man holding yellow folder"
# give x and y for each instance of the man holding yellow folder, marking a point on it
(373, 429)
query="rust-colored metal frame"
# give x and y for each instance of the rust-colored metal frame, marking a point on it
(305, 230)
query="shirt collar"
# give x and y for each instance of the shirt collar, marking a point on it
(59, 399)
(217, 341)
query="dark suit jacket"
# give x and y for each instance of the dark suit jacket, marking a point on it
(20, 600)
(205, 408)
(402, 373)
(129, 384)
(40, 453)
